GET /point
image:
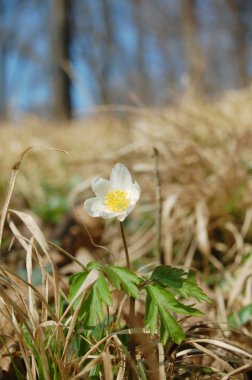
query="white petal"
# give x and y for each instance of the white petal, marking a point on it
(120, 177)
(134, 192)
(124, 215)
(93, 206)
(100, 187)
(107, 214)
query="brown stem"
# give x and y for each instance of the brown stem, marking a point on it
(132, 299)
(125, 246)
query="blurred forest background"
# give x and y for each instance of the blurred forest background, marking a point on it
(61, 58)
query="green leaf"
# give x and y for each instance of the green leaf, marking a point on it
(241, 317)
(93, 265)
(169, 276)
(103, 290)
(177, 279)
(76, 280)
(92, 309)
(151, 314)
(173, 329)
(122, 278)
(161, 301)
(165, 299)
(190, 289)
(142, 372)
(164, 332)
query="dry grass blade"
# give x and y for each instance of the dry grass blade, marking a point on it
(36, 232)
(64, 375)
(222, 363)
(33, 311)
(122, 368)
(202, 223)
(67, 254)
(91, 278)
(14, 173)
(13, 304)
(33, 227)
(224, 345)
(21, 287)
(95, 346)
(237, 371)
(84, 373)
(17, 234)
(107, 366)
(161, 359)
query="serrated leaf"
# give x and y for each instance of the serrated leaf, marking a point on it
(165, 299)
(164, 333)
(151, 314)
(178, 280)
(76, 280)
(122, 278)
(93, 307)
(113, 277)
(190, 289)
(172, 327)
(169, 276)
(162, 301)
(103, 290)
(92, 310)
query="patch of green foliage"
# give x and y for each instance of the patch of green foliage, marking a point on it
(162, 290)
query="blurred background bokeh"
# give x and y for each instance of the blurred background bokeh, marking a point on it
(61, 58)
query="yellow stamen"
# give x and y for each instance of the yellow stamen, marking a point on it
(117, 200)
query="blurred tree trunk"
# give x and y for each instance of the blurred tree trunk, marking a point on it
(142, 72)
(107, 49)
(240, 44)
(60, 55)
(195, 56)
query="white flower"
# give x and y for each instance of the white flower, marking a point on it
(114, 198)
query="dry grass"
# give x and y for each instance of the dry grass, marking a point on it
(205, 162)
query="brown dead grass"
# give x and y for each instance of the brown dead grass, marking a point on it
(205, 171)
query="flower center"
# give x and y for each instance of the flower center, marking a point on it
(117, 200)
